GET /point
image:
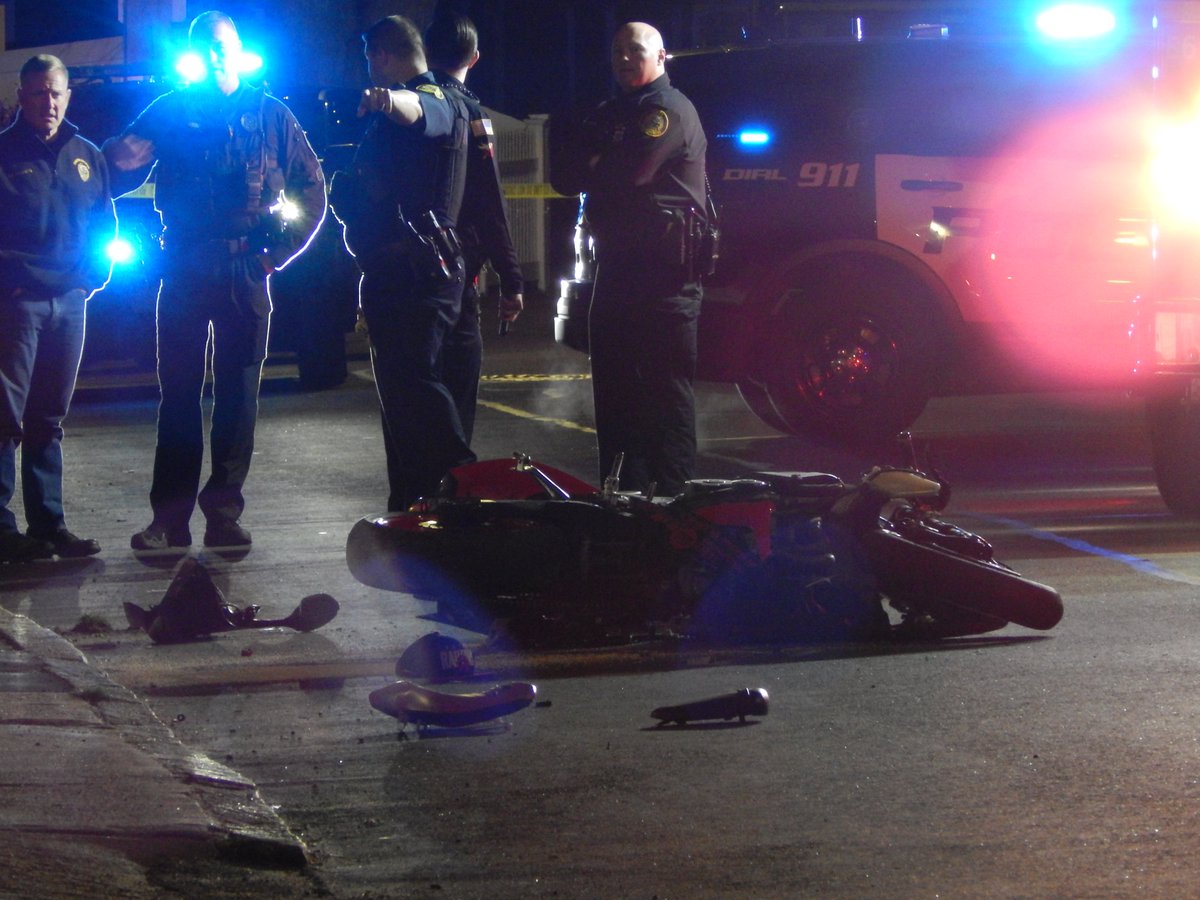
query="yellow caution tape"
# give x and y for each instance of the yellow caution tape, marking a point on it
(144, 191)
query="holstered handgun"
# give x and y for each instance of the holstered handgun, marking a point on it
(434, 249)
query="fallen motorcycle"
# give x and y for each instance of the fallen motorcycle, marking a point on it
(775, 557)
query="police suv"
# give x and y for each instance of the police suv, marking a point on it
(949, 198)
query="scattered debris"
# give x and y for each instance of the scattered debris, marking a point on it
(89, 624)
(436, 656)
(194, 607)
(422, 706)
(738, 705)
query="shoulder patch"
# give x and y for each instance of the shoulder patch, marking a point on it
(84, 170)
(654, 123)
(432, 89)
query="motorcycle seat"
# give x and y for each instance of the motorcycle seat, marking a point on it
(802, 484)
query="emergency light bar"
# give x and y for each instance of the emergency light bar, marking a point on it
(191, 67)
(1075, 22)
(754, 137)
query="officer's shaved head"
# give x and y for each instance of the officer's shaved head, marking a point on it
(395, 35)
(638, 56)
(205, 25)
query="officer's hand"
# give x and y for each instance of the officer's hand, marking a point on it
(511, 306)
(373, 100)
(129, 152)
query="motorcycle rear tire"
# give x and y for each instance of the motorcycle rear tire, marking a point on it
(924, 575)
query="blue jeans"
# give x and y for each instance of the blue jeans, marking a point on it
(41, 341)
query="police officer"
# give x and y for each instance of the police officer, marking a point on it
(240, 192)
(640, 161)
(452, 47)
(399, 203)
(56, 216)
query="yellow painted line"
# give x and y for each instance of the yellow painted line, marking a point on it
(527, 191)
(549, 420)
(525, 379)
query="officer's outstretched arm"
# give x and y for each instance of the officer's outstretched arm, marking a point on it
(401, 106)
(129, 157)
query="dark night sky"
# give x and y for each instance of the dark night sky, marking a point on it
(537, 55)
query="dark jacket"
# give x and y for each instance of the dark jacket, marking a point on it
(483, 220)
(406, 170)
(222, 162)
(56, 212)
(649, 149)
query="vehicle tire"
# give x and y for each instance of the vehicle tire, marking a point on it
(1174, 441)
(918, 576)
(855, 342)
(758, 400)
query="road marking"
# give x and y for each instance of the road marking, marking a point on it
(550, 420)
(1134, 562)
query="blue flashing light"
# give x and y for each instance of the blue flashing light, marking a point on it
(191, 67)
(754, 137)
(120, 251)
(1076, 22)
(250, 62)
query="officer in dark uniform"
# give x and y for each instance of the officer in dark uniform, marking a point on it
(640, 161)
(399, 203)
(240, 192)
(452, 47)
(55, 213)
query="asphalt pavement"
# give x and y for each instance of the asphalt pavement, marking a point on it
(1015, 765)
(98, 797)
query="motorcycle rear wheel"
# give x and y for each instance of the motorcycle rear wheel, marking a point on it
(922, 576)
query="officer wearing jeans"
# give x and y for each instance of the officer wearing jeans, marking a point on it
(56, 216)
(228, 157)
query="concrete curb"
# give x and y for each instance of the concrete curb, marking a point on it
(182, 802)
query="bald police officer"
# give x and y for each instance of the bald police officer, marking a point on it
(640, 161)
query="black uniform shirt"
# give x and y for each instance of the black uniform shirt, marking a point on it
(483, 221)
(210, 146)
(410, 168)
(651, 147)
(56, 212)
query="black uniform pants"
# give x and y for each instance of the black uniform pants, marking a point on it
(462, 359)
(408, 320)
(642, 331)
(207, 294)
